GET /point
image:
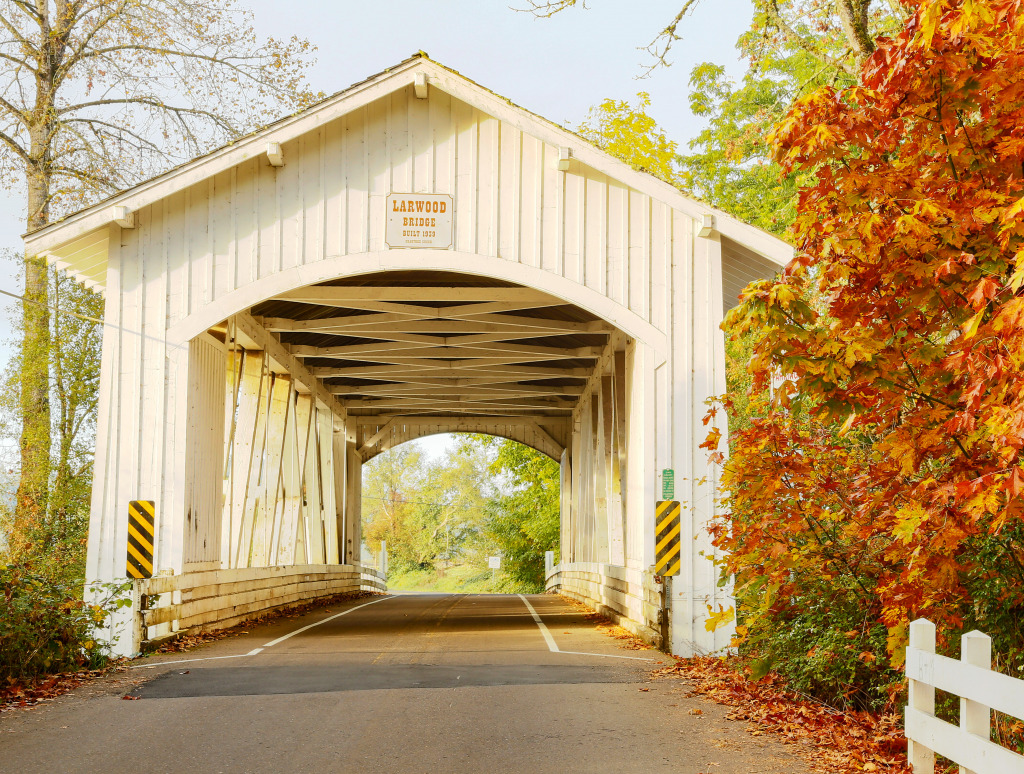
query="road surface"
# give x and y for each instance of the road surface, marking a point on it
(403, 683)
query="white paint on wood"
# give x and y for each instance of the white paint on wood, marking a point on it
(980, 690)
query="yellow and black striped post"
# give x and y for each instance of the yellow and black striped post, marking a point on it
(666, 541)
(141, 518)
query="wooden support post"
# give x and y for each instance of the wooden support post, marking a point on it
(353, 503)
(611, 489)
(921, 697)
(340, 483)
(975, 718)
(619, 461)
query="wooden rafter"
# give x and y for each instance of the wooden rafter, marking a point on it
(369, 324)
(339, 296)
(503, 390)
(462, 371)
(397, 350)
(378, 420)
(435, 351)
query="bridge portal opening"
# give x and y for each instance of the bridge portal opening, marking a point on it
(462, 513)
(328, 378)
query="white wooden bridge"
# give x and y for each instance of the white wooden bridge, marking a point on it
(414, 255)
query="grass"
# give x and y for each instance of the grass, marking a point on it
(462, 579)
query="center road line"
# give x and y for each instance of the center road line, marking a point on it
(256, 651)
(325, 620)
(553, 646)
(190, 660)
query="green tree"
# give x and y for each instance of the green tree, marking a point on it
(523, 518)
(73, 366)
(429, 512)
(840, 34)
(631, 135)
(95, 96)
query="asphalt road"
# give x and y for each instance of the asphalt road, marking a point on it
(405, 683)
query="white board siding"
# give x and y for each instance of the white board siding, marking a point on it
(328, 200)
(204, 450)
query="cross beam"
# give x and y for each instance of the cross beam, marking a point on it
(339, 295)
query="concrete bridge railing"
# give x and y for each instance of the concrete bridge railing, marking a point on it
(629, 597)
(218, 599)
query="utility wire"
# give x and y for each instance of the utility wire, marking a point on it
(87, 318)
(420, 502)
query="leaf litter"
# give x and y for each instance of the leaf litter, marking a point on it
(839, 742)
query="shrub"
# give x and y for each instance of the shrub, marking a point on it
(47, 627)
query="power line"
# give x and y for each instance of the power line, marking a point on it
(420, 502)
(88, 318)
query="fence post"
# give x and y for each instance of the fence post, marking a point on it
(382, 563)
(921, 697)
(975, 718)
(549, 564)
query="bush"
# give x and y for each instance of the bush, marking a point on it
(46, 627)
(829, 647)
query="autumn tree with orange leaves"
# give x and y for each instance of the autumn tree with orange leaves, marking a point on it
(881, 478)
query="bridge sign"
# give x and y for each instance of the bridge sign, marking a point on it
(668, 484)
(666, 536)
(419, 220)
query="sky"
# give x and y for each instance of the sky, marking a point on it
(557, 67)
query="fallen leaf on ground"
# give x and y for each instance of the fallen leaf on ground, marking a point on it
(842, 742)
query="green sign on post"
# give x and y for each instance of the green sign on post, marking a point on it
(668, 484)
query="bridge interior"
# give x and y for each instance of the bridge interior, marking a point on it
(322, 379)
(417, 352)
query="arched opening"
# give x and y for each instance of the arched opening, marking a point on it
(463, 513)
(323, 379)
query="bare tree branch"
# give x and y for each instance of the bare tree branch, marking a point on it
(661, 45)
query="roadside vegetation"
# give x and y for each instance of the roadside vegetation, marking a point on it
(873, 471)
(96, 98)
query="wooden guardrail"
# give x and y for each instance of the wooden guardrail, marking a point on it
(627, 596)
(980, 690)
(217, 599)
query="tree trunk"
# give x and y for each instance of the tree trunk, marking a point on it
(33, 486)
(30, 513)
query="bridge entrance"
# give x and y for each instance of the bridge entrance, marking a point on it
(410, 256)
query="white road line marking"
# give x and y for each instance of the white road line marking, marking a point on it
(256, 651)
(325, 620)
(553, 647)
(603, 655)
(543, 629)
(187, 661)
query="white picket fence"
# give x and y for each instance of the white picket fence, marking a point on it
(980, 690)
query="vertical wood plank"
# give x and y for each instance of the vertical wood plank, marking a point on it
(290, 204)
(921, 696)
(442, 134)
(334, 177)
(357, 176)
(595, 250)
(465, 177)
(421, 142)
(399, 147)
(379, 171)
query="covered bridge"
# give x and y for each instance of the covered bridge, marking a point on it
(413, 255)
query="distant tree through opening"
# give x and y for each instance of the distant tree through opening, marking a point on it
(443, 512)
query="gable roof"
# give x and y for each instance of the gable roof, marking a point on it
(78, 242)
